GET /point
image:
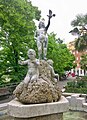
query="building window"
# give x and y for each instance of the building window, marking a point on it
(80, 71)
(77, 52)
(78, 64)
(77, 72)
(74, 52)
(80, 58)
(77, 58)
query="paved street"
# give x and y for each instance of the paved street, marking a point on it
(63, 83)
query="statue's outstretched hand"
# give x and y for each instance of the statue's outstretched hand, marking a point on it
(20, 62)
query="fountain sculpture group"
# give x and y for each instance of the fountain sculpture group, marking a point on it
(40, 84)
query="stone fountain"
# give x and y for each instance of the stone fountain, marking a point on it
(38, 96)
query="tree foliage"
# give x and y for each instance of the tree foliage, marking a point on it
(58, 52)
(83, 62)
(16, 35)
(80, 24)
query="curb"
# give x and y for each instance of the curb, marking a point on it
(3, 106)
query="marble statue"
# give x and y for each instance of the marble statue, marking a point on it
(54, 77)
(42, 38)
(38, 85)
(33, 71)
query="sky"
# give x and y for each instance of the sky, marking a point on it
(66, 11)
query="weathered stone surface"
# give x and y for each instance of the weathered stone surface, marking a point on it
(58, 116)
(20, 110)
(40, 90)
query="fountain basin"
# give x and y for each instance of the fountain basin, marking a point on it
(49, 110)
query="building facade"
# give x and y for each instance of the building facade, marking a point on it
(78, 71)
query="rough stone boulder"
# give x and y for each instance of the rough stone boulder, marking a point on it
(39, 91)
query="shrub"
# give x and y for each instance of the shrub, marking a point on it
(77, 86)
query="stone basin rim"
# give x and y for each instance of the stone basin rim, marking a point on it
(19, 110)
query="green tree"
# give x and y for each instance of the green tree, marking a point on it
(16, 35)
(80, 30)
(58, 52)
(83, 62)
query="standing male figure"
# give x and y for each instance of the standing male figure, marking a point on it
(41, 37)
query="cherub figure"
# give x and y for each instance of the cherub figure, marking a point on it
(33, 71)
(52, 73)
(32, 74)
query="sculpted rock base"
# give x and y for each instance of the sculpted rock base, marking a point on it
(41, 90)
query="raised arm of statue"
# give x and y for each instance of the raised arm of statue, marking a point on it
(49, 17)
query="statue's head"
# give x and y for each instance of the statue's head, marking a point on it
(31, 53)
(41, 23)
(50, 62)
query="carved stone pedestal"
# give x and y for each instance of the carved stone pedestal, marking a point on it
(44, 111)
